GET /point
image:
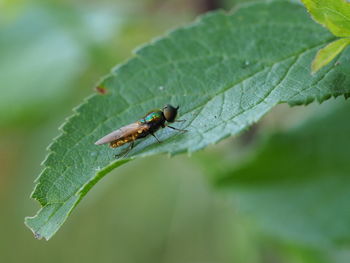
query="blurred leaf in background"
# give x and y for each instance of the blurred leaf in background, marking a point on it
(296, 186)
(30, 51)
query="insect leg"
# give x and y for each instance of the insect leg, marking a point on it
(180, 120)
(125, 152)
(156, 137)
(176, 129)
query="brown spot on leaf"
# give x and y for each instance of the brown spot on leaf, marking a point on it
(101, 90)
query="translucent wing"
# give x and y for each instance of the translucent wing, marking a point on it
(122, 132)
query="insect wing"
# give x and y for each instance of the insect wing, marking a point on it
(122, 132)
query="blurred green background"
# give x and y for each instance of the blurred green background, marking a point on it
(51, 54)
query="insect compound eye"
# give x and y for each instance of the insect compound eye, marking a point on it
(170, 112)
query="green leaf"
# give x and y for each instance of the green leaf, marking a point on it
(297, 186)
(328, 53)
(225, 71)
(333, 14)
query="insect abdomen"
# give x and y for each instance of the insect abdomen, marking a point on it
(139, 134)
(122, 141)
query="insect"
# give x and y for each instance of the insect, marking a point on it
(148, 125)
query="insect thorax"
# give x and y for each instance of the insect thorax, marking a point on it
(153, 117)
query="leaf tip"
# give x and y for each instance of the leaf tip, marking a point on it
(27, 222)
(326, 54)
(37, 235)
(317, 63)
(315, 67)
